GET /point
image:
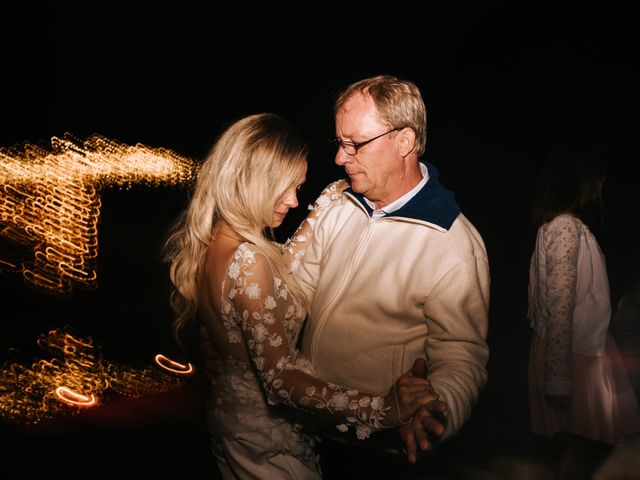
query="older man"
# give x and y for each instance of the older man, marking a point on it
(395, 271)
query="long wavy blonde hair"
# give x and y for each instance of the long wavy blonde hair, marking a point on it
(242, 178)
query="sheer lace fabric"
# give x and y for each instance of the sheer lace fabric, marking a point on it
(294, 248)
(262, 321)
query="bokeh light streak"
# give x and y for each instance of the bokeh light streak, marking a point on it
(30, 389)
(173, 366)
(50, 203)
(67, 395)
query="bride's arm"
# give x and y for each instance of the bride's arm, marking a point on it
(294, 248)
(269, 320)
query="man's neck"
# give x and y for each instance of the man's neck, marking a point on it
(405, 184)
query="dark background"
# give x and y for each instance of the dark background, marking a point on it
(502, 82)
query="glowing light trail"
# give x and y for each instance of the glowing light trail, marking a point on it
(173, 366)
(74, 377)
(50, 203)
(67, 395)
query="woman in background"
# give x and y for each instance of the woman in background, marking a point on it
(577, 386)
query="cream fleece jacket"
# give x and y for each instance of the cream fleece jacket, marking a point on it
(385, 291)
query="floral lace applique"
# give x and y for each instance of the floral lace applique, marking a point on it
(294, 248)
(259, 310)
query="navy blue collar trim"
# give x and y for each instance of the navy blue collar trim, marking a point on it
(432, 204)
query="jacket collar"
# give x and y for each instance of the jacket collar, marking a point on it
(433, 204)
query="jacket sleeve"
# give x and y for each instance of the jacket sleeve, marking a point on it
(456, 313)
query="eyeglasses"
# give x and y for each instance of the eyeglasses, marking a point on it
(352, 148)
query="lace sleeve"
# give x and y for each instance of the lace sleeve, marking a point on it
(267, 315)
(294, 248)
(561, 243)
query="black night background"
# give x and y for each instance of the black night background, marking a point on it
(502, 82)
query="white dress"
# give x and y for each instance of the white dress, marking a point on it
(256, 433)
(572, 351)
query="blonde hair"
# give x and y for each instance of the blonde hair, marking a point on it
(398, 103)
(242, 178)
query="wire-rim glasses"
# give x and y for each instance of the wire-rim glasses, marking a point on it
(352, 148)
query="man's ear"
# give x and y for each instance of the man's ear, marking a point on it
(407, 141)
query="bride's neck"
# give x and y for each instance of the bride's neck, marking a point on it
(225, 230)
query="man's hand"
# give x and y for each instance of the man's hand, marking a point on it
(409, 392)
(424, 430)
(428, 422)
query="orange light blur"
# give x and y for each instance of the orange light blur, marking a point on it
(36, 389)
(67, 395)
(173, 366)
(50, 202)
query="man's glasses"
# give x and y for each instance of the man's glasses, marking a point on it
(351, 148)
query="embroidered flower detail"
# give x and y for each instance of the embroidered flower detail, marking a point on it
(259, 363)
(363, 431)
(269, 375)
(234, 270)
(323, 202)
(270, 303)
(377, 404)
(269, 318)
(253, 291)
(281, 363)
(260, 332)
(339, 400)
(283, 293)
(291, 311)
(283, 394)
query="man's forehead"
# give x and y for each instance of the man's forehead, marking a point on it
(356, 115)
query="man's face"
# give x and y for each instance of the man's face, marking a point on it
(375, 164)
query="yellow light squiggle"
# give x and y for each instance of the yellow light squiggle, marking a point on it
(74, 377)
(49, 202)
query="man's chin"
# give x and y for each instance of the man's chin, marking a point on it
(354, 184)
(357, 188)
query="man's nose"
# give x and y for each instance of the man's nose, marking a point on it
(342, 157)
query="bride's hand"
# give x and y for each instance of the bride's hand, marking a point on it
(410, 392)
